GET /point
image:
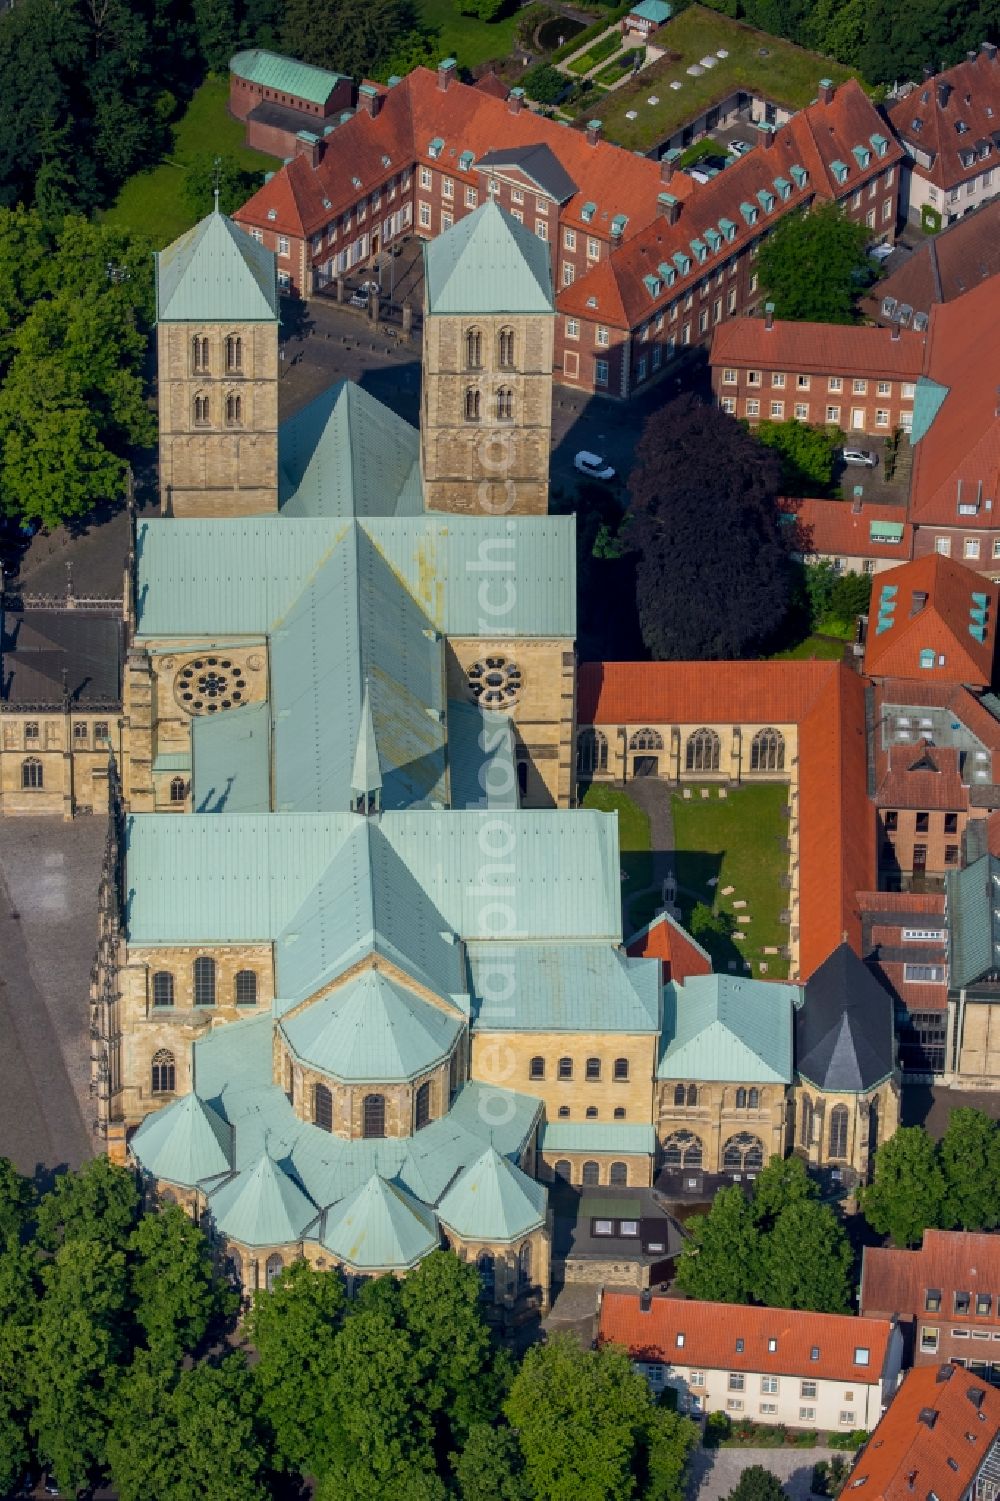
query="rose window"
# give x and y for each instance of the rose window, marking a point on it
(495, 682)
(208, 684)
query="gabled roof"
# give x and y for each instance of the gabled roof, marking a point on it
(493, 1201)
(560, 987)
(835, 528)
(482, 763)
(679, 954)
(262, 1206)
(488, 263)
(36, 646)
(346, 454)
(727, 1027)
(818, 348)
(538, 163)
(927, 116)
(380, 1227)
(974, 922)
(185, 1143)
(286, 75)
(943, 267)
(615, 1137)
(231, 760)
(216, 273)
(371, 1029)
(896, 1281)
(844, 1036)
(932, 618)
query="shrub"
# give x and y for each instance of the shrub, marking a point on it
(718, 1425)
(544, 84)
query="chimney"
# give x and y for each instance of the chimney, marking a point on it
(971, 55)
(943, 94)
(928, 72)
(826, 91)
(369, 99)
(308, 145)
(645, 1300)
(668, 165)
(594, 128)
(769, 315)
(668, 207)
(989, 51)
(765, 134)
(894, 335)
(515, 101)
(446, 72)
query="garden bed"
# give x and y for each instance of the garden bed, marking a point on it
(597, 53)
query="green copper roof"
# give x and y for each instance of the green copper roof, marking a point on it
(597, 1136)
(184, 1143)
(727, 1028)
(493, 1200)
(215, 273)
(231, 761)
(656, 11)
(928, 400)
(380, 1227)
(262, 1206)
(973, 905)
(284, 74)
(345, 454)
(366, 773)
(559, 987)
(481, 761)
(172, 761)
(372, 1029)
(488, 263)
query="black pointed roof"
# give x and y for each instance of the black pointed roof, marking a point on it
(844, 1037)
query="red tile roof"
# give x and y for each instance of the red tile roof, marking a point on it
(615, 292)
(819, 348)
(940, 625)
(932, 1440)
(902, 903)
(895, 1282)
(944, 266)
(711, 1330)
(666, 940)
(958, 457)
(834, 528)
(921, 776)
(826, 701)
(489, 83)
(971, 92)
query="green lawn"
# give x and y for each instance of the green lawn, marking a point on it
(152, 202)
(597, 53)
(633, 833)
(786, 73)
(821, 648)
(614, 70)
(467, 39)
(737, 839)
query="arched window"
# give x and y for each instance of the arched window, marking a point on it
(646, 740)
(32, 775)
(471, 404)
(163, 988)
(753, 1099)
(593, 1069)
(618, 1176)
(163, 1072)
(805, 1121)
(201, 411)
(199, 354)
(536, 1068)
(565, 1068)
(322, 1107)
(743, 1154)
(683, 1149)
(741, 1098)
(422, 1110)
(767, 751)
(204, 982)
(453, 1072)
(524, 1267)
(234, 354)
(505, 349)
(273, 1270)
(838, 1131)
(487, 1268)
(505, 404)
(621, 1069)
(591, 1174)
(234, 410)
(619, 1112)
(246, 987)
(680, 1094)
(702, 753)
(563, 1170)
(178, 789)
(591, 752)
(473, 350)
(591, 1112)
(373, 1115)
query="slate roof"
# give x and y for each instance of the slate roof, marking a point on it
(370, 1029)
(286, 75)
(974, 922)
(538, 163)
(216, 273)
(37, 644)
(727, 1027)
(844, 1035)
(380, 1226)
(493, 1200)
(488, 263)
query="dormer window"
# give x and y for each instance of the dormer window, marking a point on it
(799, 176)
(961, 128)
(880, 144)
(652, 285)
(766, 200)
(962, 1302)
(749, 212)
(783, 188)
(272, 214)
(862, 156)
(839, 170)
(435, 148)
(739, 1347)
(700, 250)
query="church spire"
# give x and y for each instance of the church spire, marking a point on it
(366, 776)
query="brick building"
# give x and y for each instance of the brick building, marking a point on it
(862, 537)
(944, 267)
(287, 105)
(948, 127)
(906, 946)
(946, 1296)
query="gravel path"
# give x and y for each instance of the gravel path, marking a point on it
(714, 1472)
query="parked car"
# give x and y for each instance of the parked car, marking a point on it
(593, 466)
(859, 456)
(739, 148)
(359, 299)
(371, 286)
(706, 167)
(880, 252)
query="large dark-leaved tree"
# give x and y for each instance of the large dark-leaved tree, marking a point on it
(814, 266)
(356, 37)
(713, 578)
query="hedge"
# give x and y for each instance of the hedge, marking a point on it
(589, 32)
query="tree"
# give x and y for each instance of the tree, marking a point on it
(545, 84)
(202, 173)
(719, 1259)
(908, 1193)
(713, 578)
(18, 1312)
(813, 265)
(99, 1202)
(483, 10)
(969, 1154)
(588, 1428)
(805, 1260)
(491, 1466)
(757, 1484)
(782, 1182)
(16, 1201)
(705, 923)
(174, 1285)
(292, 1327)
(807, 454)
(354, 36)
(216, 28)
(442, 1308)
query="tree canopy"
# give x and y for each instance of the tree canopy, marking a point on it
(713, 577)
(359, 37)
(757, 1483)
(813, 265)
(951, 1184)
(807, 454)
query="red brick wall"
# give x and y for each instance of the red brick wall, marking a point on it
(763, 393)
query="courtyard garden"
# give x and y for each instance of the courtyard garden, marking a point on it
(633, 835)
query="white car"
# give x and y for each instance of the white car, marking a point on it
(739, 148)
(859, 456)
(880, 252)
(593, 466)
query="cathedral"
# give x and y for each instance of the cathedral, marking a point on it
(361, 987)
